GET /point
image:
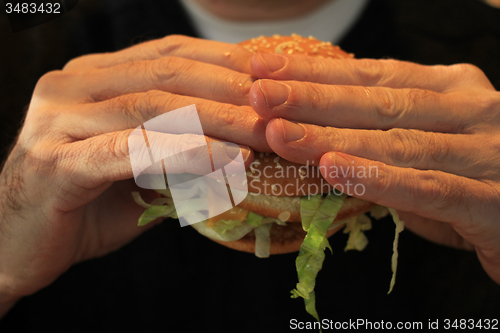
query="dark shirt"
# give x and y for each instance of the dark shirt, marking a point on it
(174, 279)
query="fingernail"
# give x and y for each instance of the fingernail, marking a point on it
(232, 151)
(273, 62)
(275, 93)
(292, 131)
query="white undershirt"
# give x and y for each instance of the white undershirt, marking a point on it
(330, 22)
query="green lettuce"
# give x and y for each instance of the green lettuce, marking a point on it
(254, 219)
(308, 208)
(356, 227)
(262, 240)
(222, 226)
(394, 261)
(312, 251)
(156, 209)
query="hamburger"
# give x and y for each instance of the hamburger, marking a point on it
(268, 220)
(289, 207)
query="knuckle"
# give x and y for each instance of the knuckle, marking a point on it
(55, 87)
(441, 192)
(161, 69)
(317, 67)
(128, 105)
(147, 106)
(238, 86)
(368, 71)
(171, 43)
(384, 181)
(118, 144)
(438, 149)
(390, 107)
(51, 79)
(114, 145)
(316, 96)
(225, 114)
(77, 62)
(470, 74)
(467, 69)
(488, 105)
(395, 105)
(404, 145)
(427, 188)
(331, 135)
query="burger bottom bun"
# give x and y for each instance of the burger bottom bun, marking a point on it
(287, 239)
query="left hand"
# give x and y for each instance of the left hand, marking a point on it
(430, 134)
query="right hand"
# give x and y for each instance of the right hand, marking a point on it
(65, 190)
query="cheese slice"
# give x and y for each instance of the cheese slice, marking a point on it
(234, 214)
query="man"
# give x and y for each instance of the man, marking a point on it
(66, 199)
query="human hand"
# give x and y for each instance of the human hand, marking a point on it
(65, 190)
(431, 133)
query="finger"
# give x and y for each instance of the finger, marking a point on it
(221, 54)
(434, 231)
(368, 72)
(360, 107)
(458, 154)
(431, 194)
(240, 124)
(103, 159)
(172, 74)
(175, 75)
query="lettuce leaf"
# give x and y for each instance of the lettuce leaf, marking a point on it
(356, 227)
(394, 260)
(229, 234)
(262, 240)
(254, 219)
(312, 251)
(155, 210)
(222, 226)
(308, 208)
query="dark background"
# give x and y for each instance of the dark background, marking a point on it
(172, 276)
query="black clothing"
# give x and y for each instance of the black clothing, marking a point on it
(174, 279)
